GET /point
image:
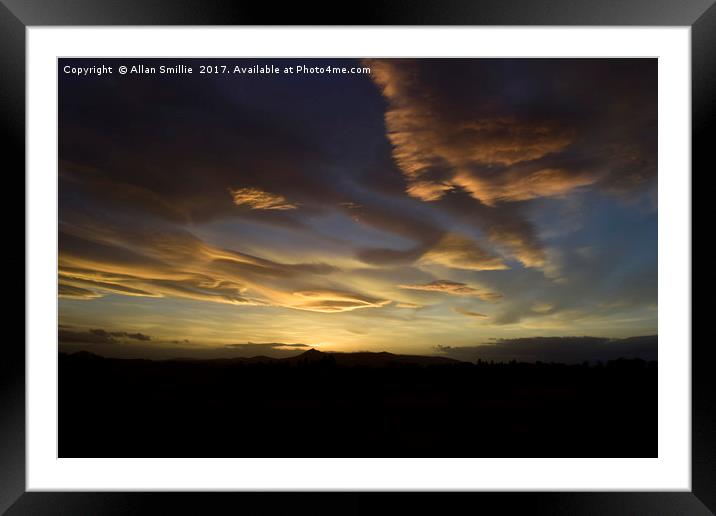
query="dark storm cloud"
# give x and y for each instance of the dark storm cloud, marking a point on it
(557, 349)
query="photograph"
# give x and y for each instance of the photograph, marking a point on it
(357, 257)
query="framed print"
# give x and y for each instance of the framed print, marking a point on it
(440, 249)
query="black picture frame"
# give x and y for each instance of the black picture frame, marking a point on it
(16, 15)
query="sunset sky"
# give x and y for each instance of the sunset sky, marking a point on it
(428, 203)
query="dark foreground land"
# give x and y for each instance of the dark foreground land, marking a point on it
(354, 405)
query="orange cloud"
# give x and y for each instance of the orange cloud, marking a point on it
(405, 304)
(258, 199)
(522, 186)
(454, 288)
(462, 253)
(99, 260)
(69, 291)
(334, 301)
(517, 243)
(427, 190)
(469, 313)
(438, 150)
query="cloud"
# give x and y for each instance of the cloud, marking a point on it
(173, 263)
(84, 337)
(134, 336)
(71, 277)
(486, 134)
(506, 227)
(257, 199)
(98, 336)
(334, 301)
(542, 307)
(270, 349)
(438, 149)
(214, 138)
(427, 190)
(104, 343)
(272, 345)
(134, 344)
(271, 164)
(512, 131)
(399, 218)
(469, 312)
(518, 185)
(73, 292)
(436, 247)
(404, 304)
(459, 252)
(454, 288)
(456, 164)
(557, 349)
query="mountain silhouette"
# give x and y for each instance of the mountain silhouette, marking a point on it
(313, 356)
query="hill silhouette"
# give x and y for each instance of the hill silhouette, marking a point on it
(353, 359)
(354, 404)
